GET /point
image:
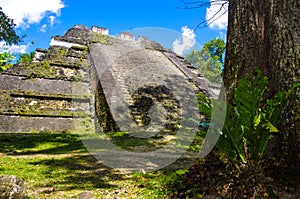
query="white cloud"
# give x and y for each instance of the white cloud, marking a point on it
(13, 48)
(43, 29)
(52, 20)
(217, 15)
(186, 42)
(29, 12)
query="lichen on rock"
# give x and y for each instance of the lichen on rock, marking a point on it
(12, 187)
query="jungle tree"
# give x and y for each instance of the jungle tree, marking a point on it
(7, 32)
(209, 59)
(265, 35)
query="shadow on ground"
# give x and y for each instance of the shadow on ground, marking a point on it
(54, 164)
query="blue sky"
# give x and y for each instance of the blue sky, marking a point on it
(42, 19)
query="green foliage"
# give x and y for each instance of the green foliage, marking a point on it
(209, 60)
(5, 61)
(25, 57)
(216, 47)
(249, 125)
(7, 32)
(204, 104)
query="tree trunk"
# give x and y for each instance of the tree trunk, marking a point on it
(265, 34)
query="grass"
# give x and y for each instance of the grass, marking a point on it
(131, 143)
(52, 165)
(57, 165)
(41, 143)
(157, 184)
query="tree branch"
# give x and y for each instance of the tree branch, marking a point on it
(202, 4)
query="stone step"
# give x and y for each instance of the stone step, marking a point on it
(130, 101)
(135, 113)
(139, 122)
(138, 117)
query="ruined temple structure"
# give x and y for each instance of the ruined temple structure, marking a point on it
(89, 79)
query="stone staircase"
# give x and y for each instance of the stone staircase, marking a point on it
(127, 98)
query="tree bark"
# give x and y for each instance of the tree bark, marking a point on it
(265, 34)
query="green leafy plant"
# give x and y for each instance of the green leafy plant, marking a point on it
(5, 61)
(25, 57)
(249, 123)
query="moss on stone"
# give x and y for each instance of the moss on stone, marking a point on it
(99, 38)
(74, 56)
(49, 113)
(31, 93)
(78, 77)
(31, 104)
(4, 99)
(41, 69)
(85, 124)
(85, 49)
(25, 108)
(63, 51)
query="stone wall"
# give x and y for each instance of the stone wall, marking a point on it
(40, 96)
(81, 76)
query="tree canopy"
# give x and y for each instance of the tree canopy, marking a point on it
(216, 48)
(7, 31)
(209, 60)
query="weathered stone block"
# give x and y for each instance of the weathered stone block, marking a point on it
(36, 124)
(12, 187)
(54, 86)
(127, 36)
(103, 31)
